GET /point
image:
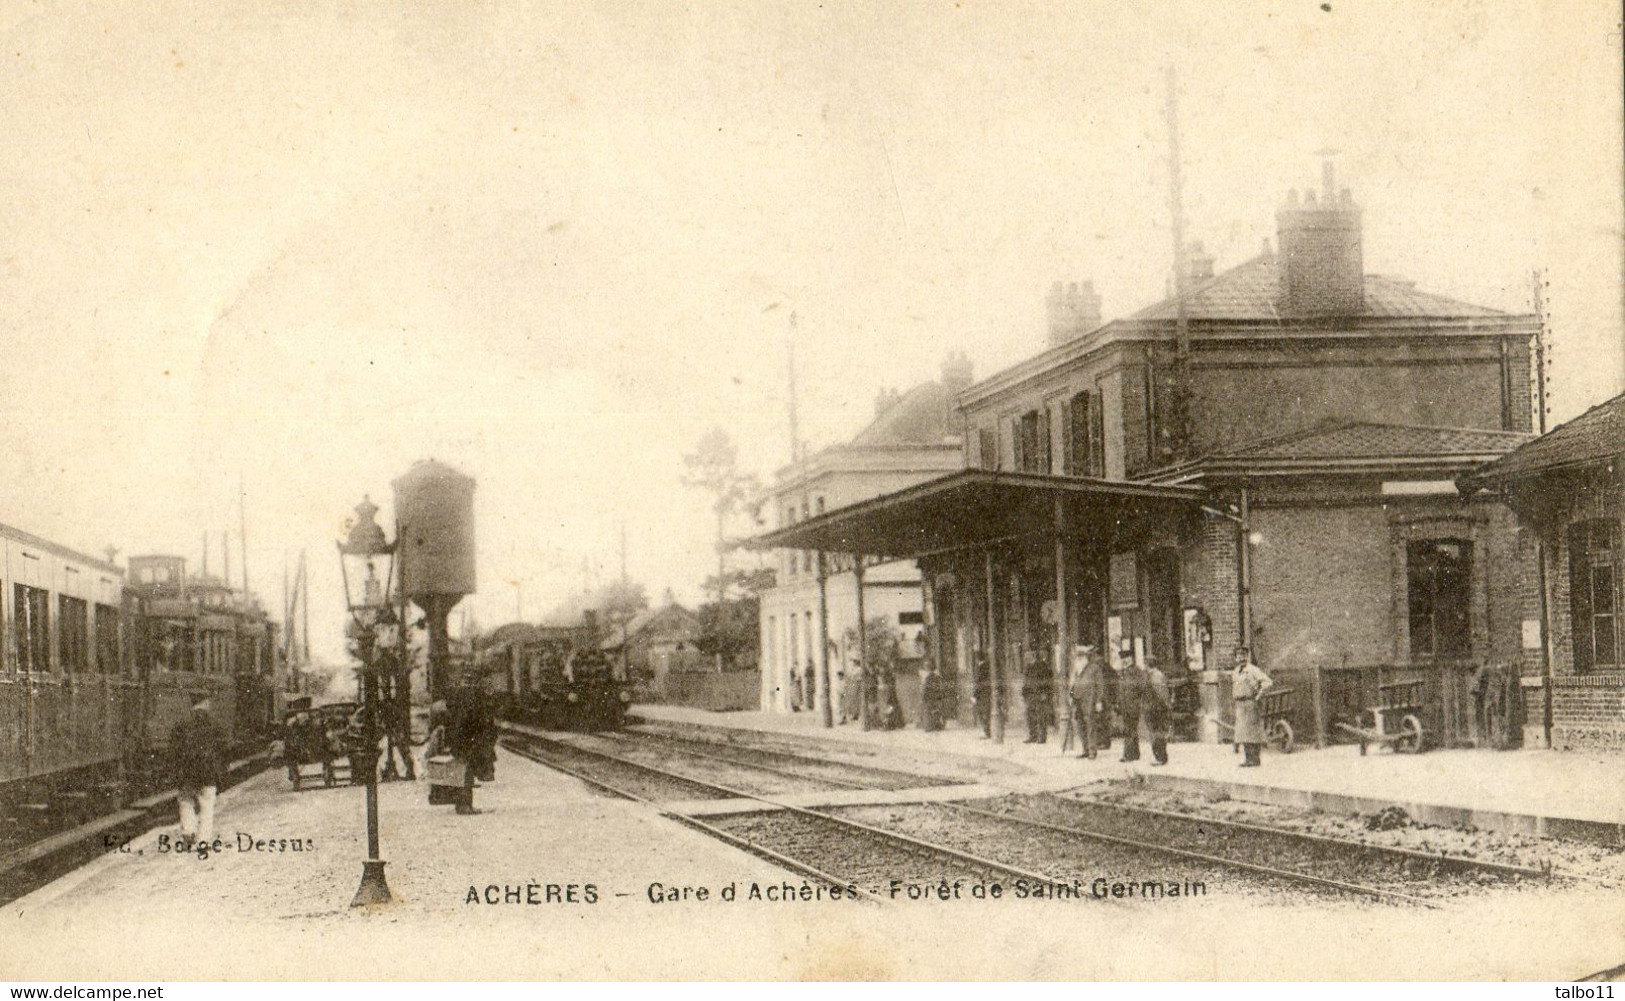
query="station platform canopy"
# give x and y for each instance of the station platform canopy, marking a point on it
(979, 507)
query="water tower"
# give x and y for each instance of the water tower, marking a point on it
(434, 508)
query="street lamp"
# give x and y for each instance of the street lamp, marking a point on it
(366, 594)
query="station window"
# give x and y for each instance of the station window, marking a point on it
(1033, 442)
(73, 633)
(1594, 595)
(1083, 451)
(1439, 586)
(107, 645)
(32, 610)
(987, 442)
(910, 618)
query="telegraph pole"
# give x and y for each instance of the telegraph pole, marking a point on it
(1176, 430)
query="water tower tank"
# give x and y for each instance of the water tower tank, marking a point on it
(434, 505)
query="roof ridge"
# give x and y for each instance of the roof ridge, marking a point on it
(1435, 427)
(1269, 441)
(1202, 286)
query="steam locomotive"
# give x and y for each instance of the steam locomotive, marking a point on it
(554, 677)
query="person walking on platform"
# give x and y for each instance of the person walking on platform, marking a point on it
(982, 694)
(1130, 689)
(1037, 691)
(1086, 692)
(472, 738)
(1247, 688)
(446, 772)
(933, 695)
(1158, 705)
(197, 748)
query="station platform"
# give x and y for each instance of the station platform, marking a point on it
(273, 913)
(1533, 792)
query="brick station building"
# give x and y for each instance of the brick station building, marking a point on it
(1569, 487)
(1268, 457)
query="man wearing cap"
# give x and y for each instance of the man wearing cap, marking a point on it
(197, 749)
(1247, 687)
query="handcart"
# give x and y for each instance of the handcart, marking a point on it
(1274, 706)
(1395, 720)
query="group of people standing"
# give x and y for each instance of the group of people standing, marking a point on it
(1139, 695)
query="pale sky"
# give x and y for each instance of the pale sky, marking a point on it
(305, 244)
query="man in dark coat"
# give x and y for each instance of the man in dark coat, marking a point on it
(1087, 693)
(982, 702)
(1158, 703)
(1130, 688)
(1037, 692)
(197, 749)
(933, 693)
(472, 737)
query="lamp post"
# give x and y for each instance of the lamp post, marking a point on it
(366, 594)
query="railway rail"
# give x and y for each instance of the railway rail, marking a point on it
(843, 854)
(1390, 873)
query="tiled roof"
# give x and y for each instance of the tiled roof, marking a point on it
(1594, 436)
(1250, 291)
(918, 417)
(1373, 441)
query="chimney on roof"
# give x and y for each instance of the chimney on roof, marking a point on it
(1198, 262)
(1322, 267)
(1074, 310)
(885, 399)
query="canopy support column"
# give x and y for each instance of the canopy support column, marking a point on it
(865, 682)
(994, 661)
(824, 707)
(1063, 611)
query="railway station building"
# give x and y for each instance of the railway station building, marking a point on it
(915, 436)
(1267, 458)
(1567, 487)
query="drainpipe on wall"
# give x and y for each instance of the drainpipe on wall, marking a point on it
(1244, 567)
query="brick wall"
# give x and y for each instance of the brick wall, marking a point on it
(1232, 405)
(1588, 713)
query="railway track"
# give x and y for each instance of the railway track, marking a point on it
(1393, 874)
(862, 860)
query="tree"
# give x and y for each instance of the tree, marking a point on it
(713, 466)
(728, 631)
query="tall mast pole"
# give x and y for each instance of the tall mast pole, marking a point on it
(795, 427)
(1542, 347)
(304, 577)
(242, 529)
(1176, 431)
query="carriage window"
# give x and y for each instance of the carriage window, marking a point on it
(32, 610)
(1439, 585)
(73, 633)
(1594, 595)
